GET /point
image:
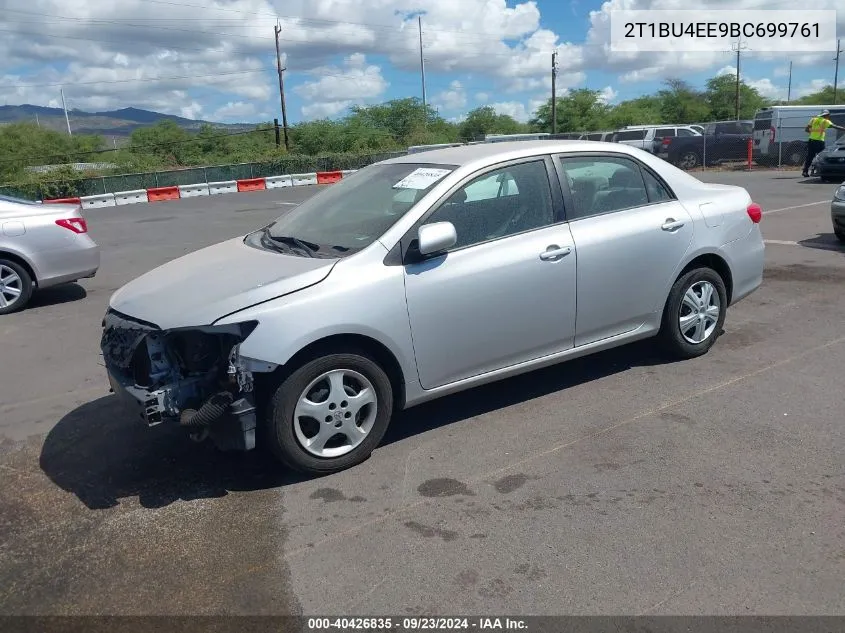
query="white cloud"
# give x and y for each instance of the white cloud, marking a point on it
(519, 110)
(482, 97)
(337, 88)
(237, 112)
(608, 94)
(192, 111)
(454, 98)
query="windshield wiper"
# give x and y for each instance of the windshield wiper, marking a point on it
(311, 247)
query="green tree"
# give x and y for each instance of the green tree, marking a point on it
(25, 144)
(681, 103)
(640, 111)
(581, 110)
(165, 141)
(822, 97)
(721, 98)
(485, 120)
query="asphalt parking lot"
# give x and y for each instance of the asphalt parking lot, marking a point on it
(615, 484)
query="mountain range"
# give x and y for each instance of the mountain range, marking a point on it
(113, 123)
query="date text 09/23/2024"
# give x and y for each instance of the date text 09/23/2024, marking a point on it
(416, 624)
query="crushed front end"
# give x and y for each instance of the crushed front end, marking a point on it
(190, 377)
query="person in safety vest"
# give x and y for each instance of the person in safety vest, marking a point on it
(817, 128)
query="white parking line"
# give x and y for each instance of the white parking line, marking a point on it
(292, 204)
(785, 242)
(798, 206)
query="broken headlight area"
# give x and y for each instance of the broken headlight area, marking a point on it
(192, 377)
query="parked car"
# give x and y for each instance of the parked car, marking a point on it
(314, 330)
(829, 164)
(721, 141)
(643, 137)
(604, 137)
(837, 213)
(780, 137)
(41, 245)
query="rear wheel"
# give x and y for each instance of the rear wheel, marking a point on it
(840, 235)
(689, 159)
(694, 314)
(15, 286)
(329, 414)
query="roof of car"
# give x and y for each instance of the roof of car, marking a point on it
(483, 152)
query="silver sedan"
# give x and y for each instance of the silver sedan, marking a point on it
(41, 245)
(421, 276)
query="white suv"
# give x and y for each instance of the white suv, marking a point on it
(643, 137)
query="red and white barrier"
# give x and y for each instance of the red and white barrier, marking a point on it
(251, 184)
(98, 201)
(277, 182)
(304, 179)
(160, 194)
(130, 197)
(192, 191)
(224, 186)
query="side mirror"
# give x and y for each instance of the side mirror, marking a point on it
(436, 237)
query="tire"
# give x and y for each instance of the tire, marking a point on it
(15, 287)
(671, 338)
(287, 430)
(840, 235)
(795, 155)
(689, 159)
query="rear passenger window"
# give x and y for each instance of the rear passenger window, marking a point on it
(657, 192)
(664, 132)
(604, 185)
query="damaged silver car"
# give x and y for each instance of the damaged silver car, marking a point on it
(422, 276)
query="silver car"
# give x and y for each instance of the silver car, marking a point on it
(41, 245)
(421, 276)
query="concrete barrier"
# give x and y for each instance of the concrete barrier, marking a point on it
(277, 182)
(328, 177)
(347, 172)
(130, 197)
(304, 179)
(251, 184)
(160, 194)
(223, 186)
(64, 201)
(97, 202)
(192, 191)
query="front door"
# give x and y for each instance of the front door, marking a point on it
(630, 235)
(505, 293)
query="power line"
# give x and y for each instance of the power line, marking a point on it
(145, 80)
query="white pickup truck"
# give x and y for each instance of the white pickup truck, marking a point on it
(643, 137)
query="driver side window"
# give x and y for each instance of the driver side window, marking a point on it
(499, 203)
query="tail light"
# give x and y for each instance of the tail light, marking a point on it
(755, 212)
(667, 140)
(771, 135)
(77, 225)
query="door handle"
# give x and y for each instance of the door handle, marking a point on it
(671, 224)
(554, 252)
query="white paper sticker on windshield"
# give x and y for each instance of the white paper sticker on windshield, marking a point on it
(421, 178)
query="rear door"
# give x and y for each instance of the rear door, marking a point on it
(763, 131)
(634, 138)
(630, 237)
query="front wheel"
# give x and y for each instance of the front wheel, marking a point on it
(694, 314)
(840, 235)
(329, 414)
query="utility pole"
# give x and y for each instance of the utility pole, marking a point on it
(739, 48)
(554, 92)
(422, 67)
(789, 87)
(64, 106)
(278, 29)
(836, 72)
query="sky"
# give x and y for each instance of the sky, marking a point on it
(216, 60)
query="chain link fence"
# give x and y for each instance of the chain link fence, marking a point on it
(95, 185)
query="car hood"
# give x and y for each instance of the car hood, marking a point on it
(204, 286)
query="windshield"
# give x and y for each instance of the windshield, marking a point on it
(353, 213)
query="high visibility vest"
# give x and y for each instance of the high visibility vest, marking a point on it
(818, 128)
